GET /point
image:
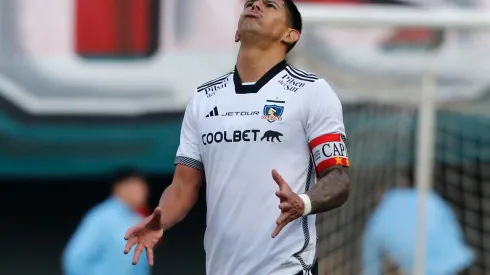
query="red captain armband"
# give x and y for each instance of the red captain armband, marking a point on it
(329, 150)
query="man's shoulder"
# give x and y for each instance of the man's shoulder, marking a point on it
(300, 74)
(305, 80)
(215, 83)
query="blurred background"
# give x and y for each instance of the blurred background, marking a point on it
(90, 86)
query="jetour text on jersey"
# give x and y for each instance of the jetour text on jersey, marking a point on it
(243, 113)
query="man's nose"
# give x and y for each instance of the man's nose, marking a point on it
(257, 5)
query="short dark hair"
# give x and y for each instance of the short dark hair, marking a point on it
(125, 173)
(294, 18)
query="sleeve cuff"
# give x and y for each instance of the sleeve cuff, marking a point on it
(190, 162)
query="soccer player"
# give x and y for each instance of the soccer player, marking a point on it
(257, 135)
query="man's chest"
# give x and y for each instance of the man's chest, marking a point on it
(269, 118)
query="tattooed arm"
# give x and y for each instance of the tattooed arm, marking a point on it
(325, 132)
(331, 190)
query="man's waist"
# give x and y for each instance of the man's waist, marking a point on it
(269, 256)
(263, 266)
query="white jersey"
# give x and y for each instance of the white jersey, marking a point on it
(289, 120)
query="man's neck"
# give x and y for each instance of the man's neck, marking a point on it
(252, 62)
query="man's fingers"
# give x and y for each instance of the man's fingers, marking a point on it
(137, 253)
(277, 230)
(283, 186)
(129, 233)
(285, 206)
(278, 179)
(130, 243)
(283, 219)
(281, 222)
(282, 195)
(149, 255)
(132, 230)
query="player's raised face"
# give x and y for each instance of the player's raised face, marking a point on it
(267, 18)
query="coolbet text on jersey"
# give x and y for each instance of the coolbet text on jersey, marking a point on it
(290, 121)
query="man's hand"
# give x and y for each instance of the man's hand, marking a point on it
(146, 235)
(291, 205)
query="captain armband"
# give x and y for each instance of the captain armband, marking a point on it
(329, 150)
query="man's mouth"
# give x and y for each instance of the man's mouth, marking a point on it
(252, 14)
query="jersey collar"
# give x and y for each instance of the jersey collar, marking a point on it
(249, 89)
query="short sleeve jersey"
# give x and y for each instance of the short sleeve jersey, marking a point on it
(289, 120)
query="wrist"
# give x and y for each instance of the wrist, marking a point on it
(163, 226)
(307, 204)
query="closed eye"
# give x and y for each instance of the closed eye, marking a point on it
(271, 4)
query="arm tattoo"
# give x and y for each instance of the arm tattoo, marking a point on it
(331, 190)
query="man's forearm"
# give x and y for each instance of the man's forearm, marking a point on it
(176, 202)
(331, 190)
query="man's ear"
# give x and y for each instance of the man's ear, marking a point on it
(291, 36)
(237, 38)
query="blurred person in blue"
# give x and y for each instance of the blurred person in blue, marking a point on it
(94, 248)
(390, 235)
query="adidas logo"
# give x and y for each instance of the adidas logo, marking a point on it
(213, 112)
